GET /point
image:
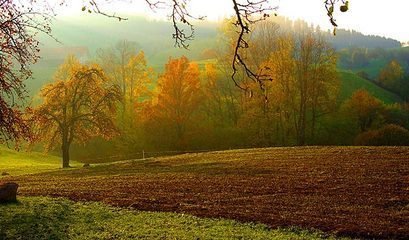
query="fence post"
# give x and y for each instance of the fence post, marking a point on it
(143, 154)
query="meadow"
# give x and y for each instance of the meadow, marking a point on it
(358, 192)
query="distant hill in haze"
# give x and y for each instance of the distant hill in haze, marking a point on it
(83, 36)
(343, 38)
(152, 36)
(349, 38)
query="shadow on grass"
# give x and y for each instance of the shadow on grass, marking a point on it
(25, 220)
(10, 203)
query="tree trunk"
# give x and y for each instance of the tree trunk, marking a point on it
(65, 147)
(65, 157)
(302, 121)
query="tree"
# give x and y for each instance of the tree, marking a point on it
(139, 76)
(316, 82)
(364, 108)
(391, 75)
(127, 68)
(18, 50)
(304, 88)
(397, 114)
(114, 62)
(222, 107)
(220, 100)
(177, 99)
(304, 73)
(79, 105)
(281, 65)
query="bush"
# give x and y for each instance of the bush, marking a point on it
(389, 135)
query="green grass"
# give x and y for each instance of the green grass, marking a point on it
(45, 218)
(350, 83)
(18, 163)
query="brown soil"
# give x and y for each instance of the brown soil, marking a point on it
(349, 191)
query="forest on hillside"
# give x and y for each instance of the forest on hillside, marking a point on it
(321, 92)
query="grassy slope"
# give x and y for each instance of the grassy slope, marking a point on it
(351, 82)
(18, 163)
(374, 67)
(45, 218)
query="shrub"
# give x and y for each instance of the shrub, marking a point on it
(389, 135)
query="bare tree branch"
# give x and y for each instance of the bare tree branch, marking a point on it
(247, 14)
(181, 14)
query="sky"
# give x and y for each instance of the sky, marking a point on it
(373, 17)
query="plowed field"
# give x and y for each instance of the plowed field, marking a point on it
(350, 191)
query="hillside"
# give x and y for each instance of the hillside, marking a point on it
(372, 61)
(350, 82)
(349, 191)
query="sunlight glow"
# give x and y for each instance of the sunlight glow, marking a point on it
(367, 16)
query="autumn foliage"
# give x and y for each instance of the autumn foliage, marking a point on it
(364, 108)
(176, 101)
(79, 105)
(195, 106)
(389, 135)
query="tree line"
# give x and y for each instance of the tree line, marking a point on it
(118, 105)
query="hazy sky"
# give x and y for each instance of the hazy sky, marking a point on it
(368, 16)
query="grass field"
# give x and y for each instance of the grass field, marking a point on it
(346, 191)
(18, 163)
(46, 218)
